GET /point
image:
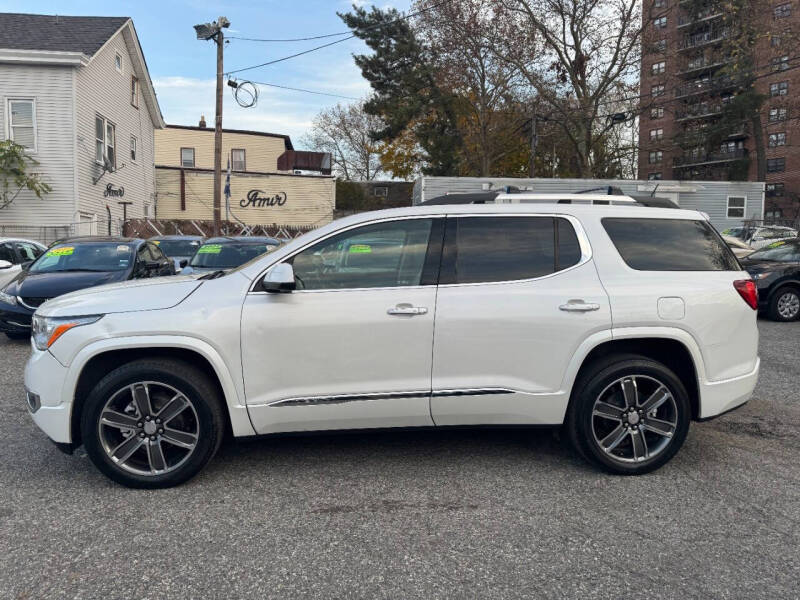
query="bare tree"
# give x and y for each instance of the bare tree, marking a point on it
(576, 54)
(344, 131)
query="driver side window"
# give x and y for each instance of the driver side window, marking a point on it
(390, 254)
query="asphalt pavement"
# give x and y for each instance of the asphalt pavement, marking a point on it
(453, 514)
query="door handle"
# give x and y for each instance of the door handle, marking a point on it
(579, 306)
(406, 309)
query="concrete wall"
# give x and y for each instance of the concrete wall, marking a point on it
(309, 200)
(710, 197)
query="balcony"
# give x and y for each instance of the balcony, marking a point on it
(703, 38)
(698, 112)
(703, 63)
(716, 84)
(704, 16)
(708, 158)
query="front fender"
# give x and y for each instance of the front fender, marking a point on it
(232, 387)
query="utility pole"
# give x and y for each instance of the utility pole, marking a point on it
(534, 143)
(208, 31)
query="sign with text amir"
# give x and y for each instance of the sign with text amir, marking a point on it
(113, 192)
(259, 199)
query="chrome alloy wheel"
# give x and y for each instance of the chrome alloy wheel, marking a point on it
(789, 305)
(148, 428)
(634, 418)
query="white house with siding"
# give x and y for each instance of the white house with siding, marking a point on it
(75, 91)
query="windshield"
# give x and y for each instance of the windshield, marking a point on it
(178, 247)
(94, 256)
(228, 255)
(784, 251)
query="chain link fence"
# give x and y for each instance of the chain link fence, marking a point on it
(145, 228)
(47, 234)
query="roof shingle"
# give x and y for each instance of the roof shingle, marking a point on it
(57, 33)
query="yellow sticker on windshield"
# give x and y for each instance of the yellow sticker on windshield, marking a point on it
(210, 249)
(776, 244)
(360, 249)
(63, 251)
(157, 242)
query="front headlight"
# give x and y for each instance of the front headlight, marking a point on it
(8, 298)
(46, 330)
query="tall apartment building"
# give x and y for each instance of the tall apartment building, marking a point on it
(686, 84)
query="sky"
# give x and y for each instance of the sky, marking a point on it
(183, 68)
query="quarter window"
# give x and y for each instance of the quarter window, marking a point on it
(7, 253)
(28, 252)
(669, 245)
(374, 256)
(187, 157)
(22, 123)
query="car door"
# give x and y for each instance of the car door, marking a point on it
(518, 294)
(350, 348)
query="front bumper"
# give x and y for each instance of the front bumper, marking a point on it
(719, 397)
(45, 377)
(15, 319)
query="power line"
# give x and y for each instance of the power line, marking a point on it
(294, 89)
(349, 37)
(329, 35)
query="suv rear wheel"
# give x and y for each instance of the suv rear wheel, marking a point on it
(152, 424)
(629, 415)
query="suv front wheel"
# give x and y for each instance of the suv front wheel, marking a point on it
(152, 423)
(629, 415)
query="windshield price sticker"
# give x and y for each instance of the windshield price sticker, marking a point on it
(157, 242)
(776, 244)
(122, 249)
(360, 249)
(210, 249)
(63, 251)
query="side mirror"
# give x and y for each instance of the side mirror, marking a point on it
(183, 263)
(26, 265)
(4, 264)
(279, 279)
(152, 265)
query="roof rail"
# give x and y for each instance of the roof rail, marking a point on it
(611, 190)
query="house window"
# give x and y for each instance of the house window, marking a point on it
(776, 165)
(656, 134)
(660, 23)
(780, 63)
(187, 157)
(105, 141)
(777, 139)
(775, 41)
(736, 207)
(655, 157)
(382, 191)
(779, 89)
(777, 114)
(118, 62)
(22, 122)
(782, 10)
(238, 160)
(657, 113)
(660, 46)
(659, 3)
(658, 68)
(656, 91)
(133, 148)
(775, 190)
(654, 176)
(135, 91)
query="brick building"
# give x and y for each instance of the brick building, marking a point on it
(687, 45)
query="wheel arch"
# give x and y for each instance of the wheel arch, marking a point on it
(95, 361)
(674, 353)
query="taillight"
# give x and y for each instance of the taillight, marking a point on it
(748, 291)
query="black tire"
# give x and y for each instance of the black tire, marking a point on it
(207, 420)
(18, 336)
(787, 292)
(581, 422)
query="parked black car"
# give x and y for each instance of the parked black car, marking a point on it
(776, 271)
(223, 253)
(74, 264)
(180, 248)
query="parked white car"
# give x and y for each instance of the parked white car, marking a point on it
(622, 324)
(737, 246)
(13, 254)
(763, 236)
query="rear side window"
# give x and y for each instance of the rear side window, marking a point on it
(670, 245)
(489, 249)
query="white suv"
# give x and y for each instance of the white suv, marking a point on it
(621, 323)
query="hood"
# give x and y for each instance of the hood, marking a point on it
(57, 283)
(129, 296)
